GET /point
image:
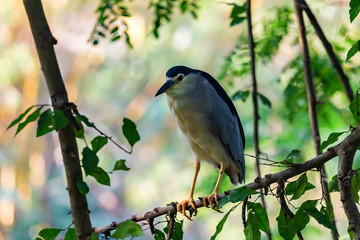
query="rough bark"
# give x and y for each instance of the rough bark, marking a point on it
(346, 151)
(44, 42)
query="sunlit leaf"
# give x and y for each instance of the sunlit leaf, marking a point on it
(101, 176)
(309, 208)
(333, 184)
(70, 234)
(300, 220)
(333, 137)
(83, 187)
(89, 161)
(49, 233)
(98, 142)
(285, 226)
(353, 50)
(159, 235)
(220, 225)
(355, 186)
(237, 195)
(21, 116)
(45, 123)
(298, 187)
(251, 230)
(130, 131)
(355, 107)
(127, 228)
(31, 118)
(120, 165)
(264, 100)
(240, 95)
(260, 215)
(354, 9)
(60, 121)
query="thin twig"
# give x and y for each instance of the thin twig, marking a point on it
(330, 51)
(311, 96)
(254, 99)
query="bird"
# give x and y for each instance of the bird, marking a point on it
(211, 125)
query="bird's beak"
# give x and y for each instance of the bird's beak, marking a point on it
(168, 84)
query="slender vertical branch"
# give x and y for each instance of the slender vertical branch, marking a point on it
(254, 98)
(311, 96)
(330, 51)
(44, 42)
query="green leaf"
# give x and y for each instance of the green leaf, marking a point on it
(85, 120)
(290, 157)
(355, 107)
(355, 186)
(333, 184)
(114, 30)
(259, 214)
(237, 21)
(309, 208)
(159, 235)
(60, 121)
(18, 119)
(242, 95)
(45, 123)
(220, 225)
(79, 133)
(285, 226)
(251, 230)
(264, 100)
(354, 9)
(130, 132)
(328, 210)
(70, 234)
(101, 176)
(127, 228)
(300, 220)
(94, 236)
(353, 50)
(237, 195)
(333, 137)
(31, 118)
(98, 142)
(49, 233)
(120, 165)
(237, 14)
(298, 187)
(83, 187)
(178, 232)
(351, 234)
(89, 161)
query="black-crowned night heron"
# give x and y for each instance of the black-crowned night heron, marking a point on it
(209, 121)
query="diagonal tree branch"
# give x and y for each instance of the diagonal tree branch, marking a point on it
(254, 99)
(316, 162)
(330, 51)
(44, 42)
(311, 97)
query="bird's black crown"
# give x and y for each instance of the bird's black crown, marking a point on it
(174, 71)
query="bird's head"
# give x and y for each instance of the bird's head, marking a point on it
(176, 79)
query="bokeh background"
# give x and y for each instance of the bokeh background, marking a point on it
(110, 81)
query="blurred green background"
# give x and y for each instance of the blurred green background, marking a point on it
(110, 81)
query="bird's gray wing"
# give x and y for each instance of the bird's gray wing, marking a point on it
(225, 125)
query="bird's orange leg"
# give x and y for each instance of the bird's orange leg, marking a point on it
(181, 207)
(214, 195)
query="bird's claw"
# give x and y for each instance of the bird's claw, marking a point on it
(181, 207)
(212, 200)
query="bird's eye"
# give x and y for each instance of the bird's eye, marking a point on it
(181, 77)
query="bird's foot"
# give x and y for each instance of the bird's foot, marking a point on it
(181, 207)
(212, 200)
